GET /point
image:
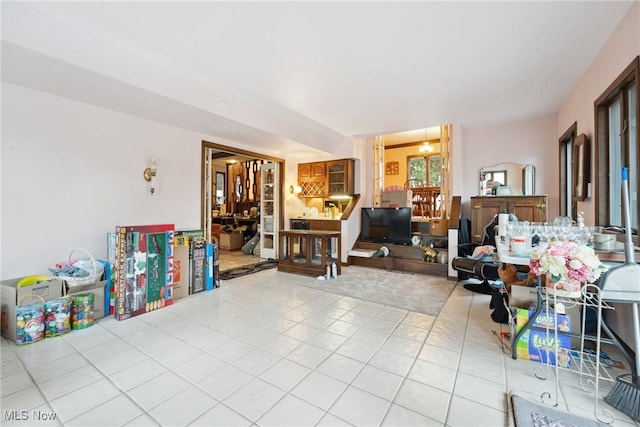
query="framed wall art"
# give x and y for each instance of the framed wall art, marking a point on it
(392, 168)
(580, 165)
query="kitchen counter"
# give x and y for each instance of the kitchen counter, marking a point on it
(319, 217)
(306, 223)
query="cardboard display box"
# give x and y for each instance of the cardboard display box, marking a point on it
(11, 296)
(230, 241)
(181, 268)
(396, 199)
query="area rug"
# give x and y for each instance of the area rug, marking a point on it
(247, 269)
(409, 291)
(525, 413)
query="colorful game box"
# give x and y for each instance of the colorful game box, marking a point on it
(208, 284)
(144, 269)
(197, 265)
(180, 266)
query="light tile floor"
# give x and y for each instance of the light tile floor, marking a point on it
(262, 350)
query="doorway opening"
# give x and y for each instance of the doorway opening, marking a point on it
(232, 204)
(416, 160)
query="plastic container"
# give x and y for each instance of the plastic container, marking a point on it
(29, 323)
(82, 311)
(57, 317)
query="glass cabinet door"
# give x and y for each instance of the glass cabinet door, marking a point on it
(285, 250)
(316, 251)
(269, 210)
(299, 249)
(332, 250)
(337, 178)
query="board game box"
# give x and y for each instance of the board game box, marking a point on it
(143, 269)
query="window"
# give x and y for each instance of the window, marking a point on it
(221, 188)
(425, 171)
(567, 204)
(617, 146)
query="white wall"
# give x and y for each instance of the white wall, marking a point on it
(530, 141)
(71, 172)
(621, 48)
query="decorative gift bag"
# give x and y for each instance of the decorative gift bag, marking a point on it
(30, 320)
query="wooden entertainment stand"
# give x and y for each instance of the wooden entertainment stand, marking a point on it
(403, 257)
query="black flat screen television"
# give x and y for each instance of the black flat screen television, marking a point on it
(386, 225)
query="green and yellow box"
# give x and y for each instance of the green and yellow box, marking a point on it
(540, 342)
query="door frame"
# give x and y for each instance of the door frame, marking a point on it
(204, 193)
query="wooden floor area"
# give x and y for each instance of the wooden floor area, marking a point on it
(229, 260)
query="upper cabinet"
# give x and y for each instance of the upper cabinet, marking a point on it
(312, 178)
(525, 208)
(318, 170)
(340, 177)
(324, 179)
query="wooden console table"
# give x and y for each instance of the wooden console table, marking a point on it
(308, 252)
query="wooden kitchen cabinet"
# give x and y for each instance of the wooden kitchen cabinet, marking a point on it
(324, 224)
(309, 252)
(340, 177)
(312, 178)
(323, 179)
(304, 171)
(318, 170)
(525, 208)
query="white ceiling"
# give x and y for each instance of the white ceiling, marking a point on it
(299, 78)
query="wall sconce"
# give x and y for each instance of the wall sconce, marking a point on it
(295, 189)
(150, 175)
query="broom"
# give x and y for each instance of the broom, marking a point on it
(622, 284)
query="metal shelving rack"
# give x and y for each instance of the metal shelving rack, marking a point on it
(588, 366)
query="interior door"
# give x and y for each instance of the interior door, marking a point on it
(269, 209)
(208, 197)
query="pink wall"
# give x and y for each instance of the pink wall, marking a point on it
(621, 48)
(615, 56)
(530, 141)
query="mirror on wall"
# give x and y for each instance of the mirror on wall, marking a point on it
(507, 179)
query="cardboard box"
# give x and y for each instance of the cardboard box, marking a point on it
(181, 269)
(396, 199)
(522, 296)
(230, 241)
(191, 234)
(100, 290)
(215, 233)
(11, 296)
(538, 344)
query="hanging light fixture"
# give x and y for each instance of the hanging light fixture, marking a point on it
(426, 147)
